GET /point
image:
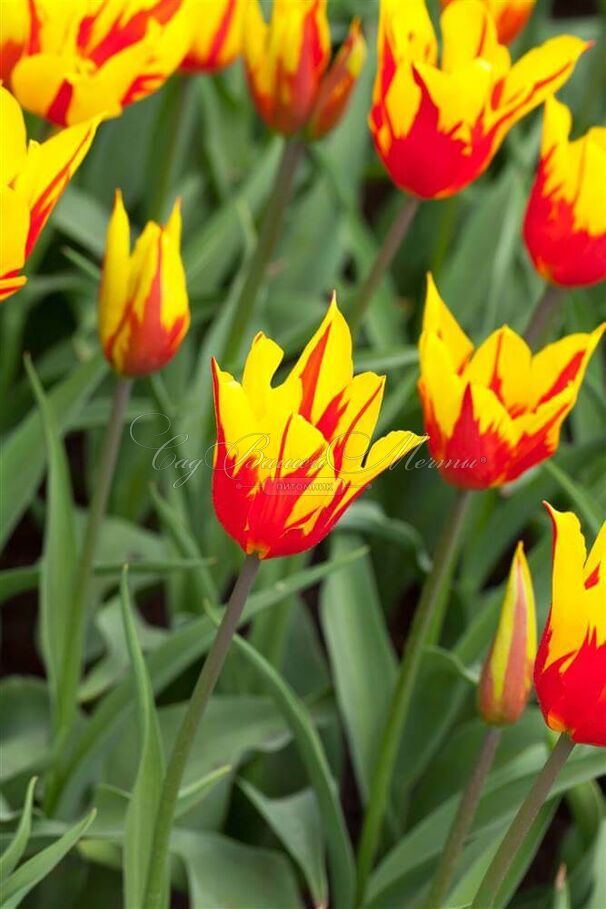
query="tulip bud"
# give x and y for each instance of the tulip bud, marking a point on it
(506, 679)
(293, 85)
(143, 303)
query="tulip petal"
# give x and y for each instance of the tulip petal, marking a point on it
(47, 171)
(12, 137)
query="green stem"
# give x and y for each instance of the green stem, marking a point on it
(158, 865)
(68, 695)
(268, 236)
(463, 820)
(392, 242)
(170, 136)
(544, 315)
(424, 630)
(521, 824)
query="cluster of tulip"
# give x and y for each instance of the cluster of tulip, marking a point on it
(437, 120)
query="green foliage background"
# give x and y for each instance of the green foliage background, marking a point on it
(258, 815)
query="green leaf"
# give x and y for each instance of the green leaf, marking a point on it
(59, 564)
(190, 796)
(466, 888)
(296, 822)
(503, 793)
(182, 647)
(25, 878)
(12, 854)
(577, 495)
(23, 454)
(25, 724)
(362, 658)
(224, 874)
(312, 754)
(141, 814)
(598, 896)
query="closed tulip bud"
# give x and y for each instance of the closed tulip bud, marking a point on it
(85, 59)
(493, 412)
(294, 87)
(143, 304)
(570, 671)
(217, 30)
(292, 457)
(437, 126)
(510, 16)
(506, 680)
(32, 179)
(565, 223)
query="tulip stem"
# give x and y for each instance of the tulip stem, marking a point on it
(392, 242)
(292, 154)
(68, 693)
(424, 631)
(544, 314)
(521, 824)
(463, 820)
(158, 860)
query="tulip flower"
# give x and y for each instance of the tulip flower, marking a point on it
(85, 59)
(570, 671)
(288, 66)
(493, 412)
(216, 26)
(565, 223)
(143, 304)
(438, 127)
(290, 458)
(33, 178)
(506, 680)
(510, 16)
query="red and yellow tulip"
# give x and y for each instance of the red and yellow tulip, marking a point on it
(437, 126)
(506, 680)
(493, 412)
(565, 223)
(294, 87)
(217, 29)
(510, 16)
(33, 178)
(143, 303)
(291, 457)
(570, 671)
(85, 57)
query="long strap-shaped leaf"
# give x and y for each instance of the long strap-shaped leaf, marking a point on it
(143, 805)
(312, 754)
(25, 878)
(12, 854)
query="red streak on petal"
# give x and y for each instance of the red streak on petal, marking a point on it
(593, 578)
(124, 34)
(311, 373)
(57, 112)
(47, 200)
(568, 375)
